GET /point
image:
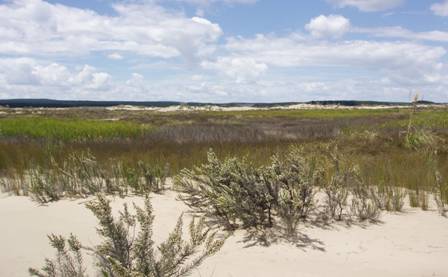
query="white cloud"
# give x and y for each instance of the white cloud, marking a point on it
(209, 2)
(40, 40)
(39, 79)
(406, 65)
(239, 68)
(30, 75)
(115, 56)
(292, 51)
(368, 5)
(328, 26)
(440, 9)
(36, 27)
(402, 33)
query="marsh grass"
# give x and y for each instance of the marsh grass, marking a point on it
(440, 194)
(81, 175)
(369, 138)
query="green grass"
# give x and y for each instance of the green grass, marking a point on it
(69, 129)
(310, 114)
(436, 118)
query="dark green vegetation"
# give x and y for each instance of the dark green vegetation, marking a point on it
(126, 252)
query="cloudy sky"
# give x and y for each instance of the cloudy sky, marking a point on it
(224, 50)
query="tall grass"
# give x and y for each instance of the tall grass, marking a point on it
(81, 175)
(370, 138)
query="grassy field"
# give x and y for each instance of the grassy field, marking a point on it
(380, 141)
(68, 129)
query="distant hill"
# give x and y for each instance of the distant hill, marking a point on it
(51, 103)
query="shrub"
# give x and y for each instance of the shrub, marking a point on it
(389, 198)
(363, 205)
(230, 191)
(338, 181)
(124, 253)
(417, 138)
(68, 262)
(440, 193)
(43, 185)
(396, 196)
(294, 180)
(238, 194)
(78, 175)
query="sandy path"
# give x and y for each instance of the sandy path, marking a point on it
(411, 244)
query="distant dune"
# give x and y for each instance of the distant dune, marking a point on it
(51, 103)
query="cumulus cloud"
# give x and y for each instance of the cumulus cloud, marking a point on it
(440, 9)
(30, 75)
(328, 26)
(405, 65)
(36, 27)
(368, 5)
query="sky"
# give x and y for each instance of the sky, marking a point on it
(224, 50)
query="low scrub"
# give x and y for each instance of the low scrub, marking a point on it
(127, 248)
(238, 194)
(363, 205)
(340, 179)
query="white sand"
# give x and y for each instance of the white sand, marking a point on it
(414, 243)
(251, 108)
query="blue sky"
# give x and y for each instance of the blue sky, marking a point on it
(224, 50)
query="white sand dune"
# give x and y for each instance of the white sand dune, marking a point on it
(414, 243)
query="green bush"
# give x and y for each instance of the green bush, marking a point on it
(241, 195)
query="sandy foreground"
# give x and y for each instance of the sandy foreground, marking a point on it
(413, 243)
